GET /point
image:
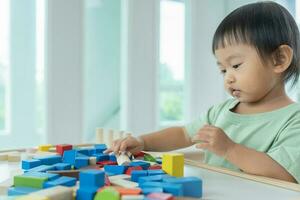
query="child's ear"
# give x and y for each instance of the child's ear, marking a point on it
(282, 58)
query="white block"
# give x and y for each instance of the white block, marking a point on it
(123, 159)
(14, 157)
(132, 197)
(55, 193)
(99, 136)
(92, 160)
(124, 183)
(110, 137)
(121, 176)
(3, 156)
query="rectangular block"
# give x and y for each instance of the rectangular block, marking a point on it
(173, 164)
(28, 164)
(136, 174)
(44, 147)
(81, 162)
(16, 191)
(62, 166)
(92, 178)
(62, 181)
(28, 181)
(49, 176)
(49, 160)
(42, 168)
(69, 156)
(115, 169)
(63, 147)
(57, 193)
(144, 165)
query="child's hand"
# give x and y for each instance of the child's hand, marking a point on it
(213, 139)
(131, 144)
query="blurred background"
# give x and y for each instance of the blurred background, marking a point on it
(70, 66)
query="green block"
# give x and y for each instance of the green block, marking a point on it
(148, 157)
(108, 193)
(28, 181)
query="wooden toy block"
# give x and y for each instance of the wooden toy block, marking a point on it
(57, 193)
(123, 183)
(121, 176)
(85, 194)
(173, 164)
(100, 148)
(28, 164)
(92, 160)
(14, 191)
(3, 156)
(91, 178)
(148, 190)
(139, 154)
(154, 167)
(49, 160)
(130, 169)
(99, 135)
(106, 162)
(60, 148)
(115, 169)
(102, 157)
(49, 176)
(42, 168)
(45, 147)
(153, 172)
(14, 157)
(69, 156)
(62, 166)
(27, 181)
(192, 186)
(132, 197)
(160, 196)
(112, 157)
(110, 137)
(152, 178)
(136, 174)
(148, 157)
(69, 173)
(128, 191)
(123, 159)
(81, 162)
(63, 181)
(174, 189)
(144, 165)
(108, 193)
(32, 197)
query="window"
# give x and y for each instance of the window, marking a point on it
(4, 63)
(172, 47)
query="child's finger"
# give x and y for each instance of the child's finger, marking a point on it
(116, 146)
(204, 145)
(107, 151)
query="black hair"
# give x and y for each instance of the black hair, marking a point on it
(265, 26)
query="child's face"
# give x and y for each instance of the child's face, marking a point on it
(245, 76)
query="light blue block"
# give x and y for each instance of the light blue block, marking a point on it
(152, 178)
(42, 168)
(100, 148)
(85, 194)
(136, 174)
(16, 191)
(50, 160)
(155, 172)
(28, 164)
(62, 166)
(63, 180)
(69, 156)
(192, 186)
(50, 176)
(81, 162)
(115, 169)
(92, 178)
(148, 190)
(101, 157)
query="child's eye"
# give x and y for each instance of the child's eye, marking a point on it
(236, 66)
(223, 71)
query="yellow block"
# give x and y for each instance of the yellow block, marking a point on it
(173, 164)
(45, 147)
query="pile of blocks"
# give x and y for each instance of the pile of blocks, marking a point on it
(90, 174)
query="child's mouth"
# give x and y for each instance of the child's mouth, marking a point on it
(236, 93)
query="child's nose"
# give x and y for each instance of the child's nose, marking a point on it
(229, 79)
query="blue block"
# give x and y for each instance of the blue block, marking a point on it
(112, 157)
(81, 162)
(50, 176)
(83, 151)
(50, 160)
(62, 166)
(144, 165)
(136, 174)
(152, 178)
(28, 164)
(148, 190)
(92, 178)
(15, 191)
(192, 186)
(101, 157)
(42, 168)
(63, 180)
(174, 189)
(155, 172)
(85, 194)
(115, 169)
(100, 148)
(69, 156)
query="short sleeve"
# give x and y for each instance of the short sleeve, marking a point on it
(192, 128)
(286, 149)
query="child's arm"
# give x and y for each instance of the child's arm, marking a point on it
(258, 163)
(247, 159)
(163, 140)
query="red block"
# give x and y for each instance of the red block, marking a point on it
(139, 154)
(60, 148)
(155, 167)
(128, 171)
(106, 162)
(160, 196)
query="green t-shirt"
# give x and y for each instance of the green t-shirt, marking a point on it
(276, 133)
